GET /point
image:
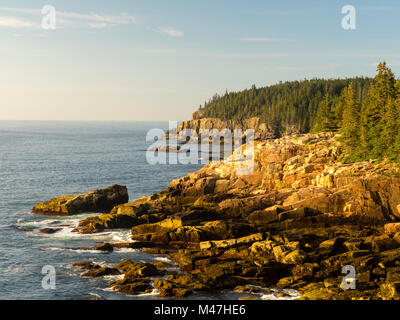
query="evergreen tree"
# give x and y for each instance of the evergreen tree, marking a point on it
(350, 128)
(390, 129)
(325, 119)
(376, 111)
(340, 107)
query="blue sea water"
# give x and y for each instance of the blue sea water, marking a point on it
(42, 160)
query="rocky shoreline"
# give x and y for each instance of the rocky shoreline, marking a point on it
(294, 222)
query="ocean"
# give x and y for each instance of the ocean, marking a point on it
(41, 160)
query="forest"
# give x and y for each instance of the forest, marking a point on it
(284, 105)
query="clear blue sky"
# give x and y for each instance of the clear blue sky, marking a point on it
(158, 60)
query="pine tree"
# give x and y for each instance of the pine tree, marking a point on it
(340, 107)
(325, 119)
(394, 151)
(375, 111)
(390, 129)
(350, 129)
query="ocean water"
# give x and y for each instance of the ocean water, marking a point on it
(42, 160)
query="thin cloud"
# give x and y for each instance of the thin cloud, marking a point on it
(120, 19)
(172, 32)
(92, 19)
(16, 23)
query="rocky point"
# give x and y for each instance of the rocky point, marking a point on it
(294, 222)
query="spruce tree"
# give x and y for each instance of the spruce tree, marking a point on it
(325, 119)
(390, 129)
(350, 129)
(375, 112)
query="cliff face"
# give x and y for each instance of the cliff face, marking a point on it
(299, 171)
(262, 130)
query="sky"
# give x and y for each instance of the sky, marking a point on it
(159, 60)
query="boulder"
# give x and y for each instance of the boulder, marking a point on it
(383, 243)
(294, 257)
(262, 217)
(137, 270)
(102, 200)
(331, 245)
(50, 230)
(396, 237)
(390, 291)
(392, 228)
(289, 253)
(262, 247)
(170, 288)
(306, 270)
(135, 287)
(101, 272)
(231, 242)
(244, 206)
(298, 213)
(353, 244)
(104, 247)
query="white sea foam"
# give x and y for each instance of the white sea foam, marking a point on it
(154, 292)
(102, 263)
(72, 249)
(122, 236)
(66, 231)
(163, 259)
(291, 294)
(108, 289)
(95, 295)
(75, 250)
(114, 277)
(274, 295)
(126, 250)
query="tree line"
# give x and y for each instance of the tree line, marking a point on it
(297, 105)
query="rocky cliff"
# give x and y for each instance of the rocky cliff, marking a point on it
(294, 222)
(262, 130)
(295, 172)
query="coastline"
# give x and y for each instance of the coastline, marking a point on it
(294, 224)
